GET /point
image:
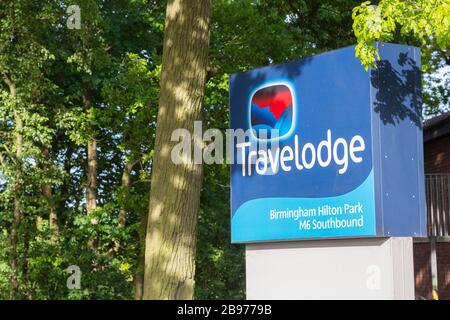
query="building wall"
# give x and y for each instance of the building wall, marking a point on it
(437, 160)
(437, 155)
(443, 262)
(422, 270)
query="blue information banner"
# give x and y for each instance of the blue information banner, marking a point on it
(322, 137)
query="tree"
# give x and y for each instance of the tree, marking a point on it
(426, 20)
(424, 23)
(23, 111)
(43, 211)
(175, 189)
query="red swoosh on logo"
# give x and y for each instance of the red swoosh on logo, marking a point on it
(277, 98)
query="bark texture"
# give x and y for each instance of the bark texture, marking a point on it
(175, 189)
(92, 164)
(47, 193)
(139, 276)
(126, 182)
(17, 213)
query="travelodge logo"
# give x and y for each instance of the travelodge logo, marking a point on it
(272, 111)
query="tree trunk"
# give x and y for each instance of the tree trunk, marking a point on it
(139, 276)
(175, 189)
(17, 214)
(47, 193)
(25, 267)
(126, 182)
(91, 181)
(61, 204)
(125, 191)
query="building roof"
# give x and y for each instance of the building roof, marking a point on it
(436, 127)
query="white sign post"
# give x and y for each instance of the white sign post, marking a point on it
(371, 268)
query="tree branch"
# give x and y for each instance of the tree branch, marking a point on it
(9, 83)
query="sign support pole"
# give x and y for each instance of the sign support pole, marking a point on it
(370, 268)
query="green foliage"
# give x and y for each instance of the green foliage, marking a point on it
(424, 23)
(220, 267)
(51, 66)
(426, 20)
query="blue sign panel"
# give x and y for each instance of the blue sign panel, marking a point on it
(330, 150)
